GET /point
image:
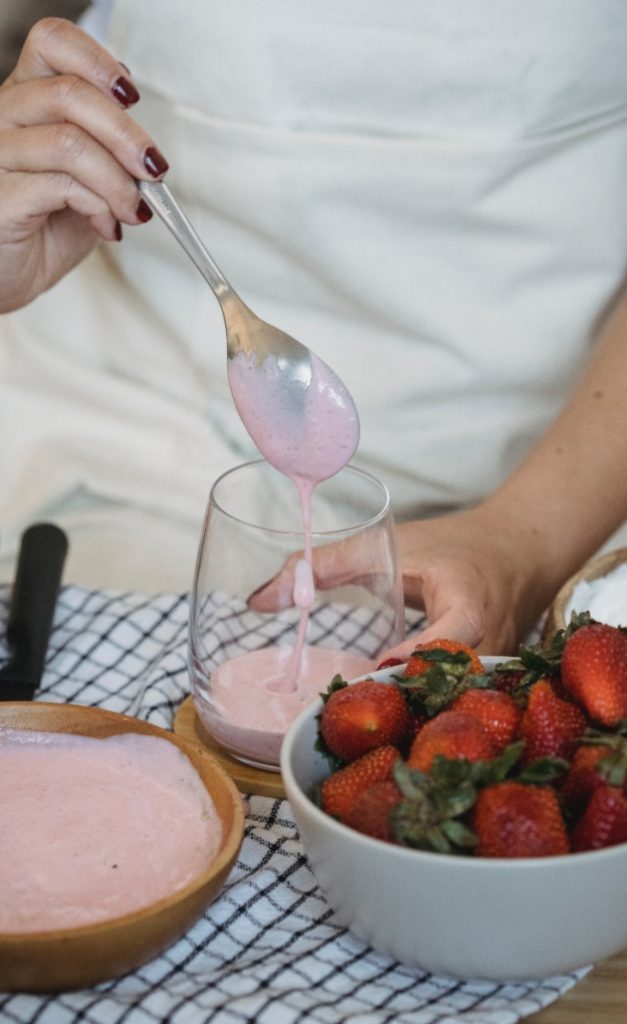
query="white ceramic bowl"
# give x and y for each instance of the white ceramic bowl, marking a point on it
(466, 917)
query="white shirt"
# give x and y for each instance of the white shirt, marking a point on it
(430, 194)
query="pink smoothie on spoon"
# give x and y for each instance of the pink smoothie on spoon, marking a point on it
(258, 694)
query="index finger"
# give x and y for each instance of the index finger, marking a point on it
(334, 565)
(54, 46)
(452, 625)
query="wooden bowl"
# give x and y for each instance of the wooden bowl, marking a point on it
(83, 956)
(592, 570)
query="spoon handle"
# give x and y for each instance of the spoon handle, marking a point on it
(162, 202)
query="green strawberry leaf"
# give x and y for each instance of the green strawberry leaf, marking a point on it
(543, 771)
(432, 803)
(545, 658)
(441, 655)
(488, 773)
(337, 683)
(433, 691)
(459, 834)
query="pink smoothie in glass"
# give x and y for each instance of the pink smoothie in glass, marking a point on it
(91, 829)
(250, 716)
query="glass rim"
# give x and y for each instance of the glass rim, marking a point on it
(356, 470)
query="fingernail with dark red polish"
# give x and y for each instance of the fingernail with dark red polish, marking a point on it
(143, 211)
(118, 231)
(124, 91)
(154, 162)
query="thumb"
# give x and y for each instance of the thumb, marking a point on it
(453, 612)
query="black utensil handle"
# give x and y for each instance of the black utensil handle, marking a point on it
(37, 580)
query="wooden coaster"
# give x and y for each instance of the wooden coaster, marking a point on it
(247, 779)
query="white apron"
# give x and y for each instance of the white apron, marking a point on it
(432, 194)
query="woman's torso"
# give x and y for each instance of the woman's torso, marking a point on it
(431, 195)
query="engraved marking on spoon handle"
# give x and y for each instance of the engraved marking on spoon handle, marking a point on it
(162, 202)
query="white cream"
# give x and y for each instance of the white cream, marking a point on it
(605, 598)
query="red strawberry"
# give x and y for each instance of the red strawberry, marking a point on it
(497, 711)
(582, 778)
(362, 716)
(550, 726)
(508, 680)
(339, 792)
(417, 665)
(452, 734)
(512, 819)
(370, 813)
(601, 760)
(594, 672)
(604, 821)
(417, 722)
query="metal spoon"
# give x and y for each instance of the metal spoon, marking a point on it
(245, 332)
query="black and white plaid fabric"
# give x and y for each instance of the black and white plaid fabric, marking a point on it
(267, 950)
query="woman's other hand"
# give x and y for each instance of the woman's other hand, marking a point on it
(474, 575)
(69, 154)
(477, 579)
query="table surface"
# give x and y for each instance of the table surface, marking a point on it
(600, 998)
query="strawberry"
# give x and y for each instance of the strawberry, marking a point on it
(550, 726)
(417, 722)
(604, 821)
(370, 813)
(339, 792)
(497, 711)
(513, 819)
(581, 779)
(509, 680)
(437, 673)
(600, 760)
(452, 734)
(422, 811)
(416, 665)
(362, 716)
(594, 672)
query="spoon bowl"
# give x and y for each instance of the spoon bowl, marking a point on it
(267, 368)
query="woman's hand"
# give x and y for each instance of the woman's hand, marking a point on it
(69, 154)
(476, 577)
(477, 580)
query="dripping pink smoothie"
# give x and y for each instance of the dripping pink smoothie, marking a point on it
(86, 827)
(257, 695)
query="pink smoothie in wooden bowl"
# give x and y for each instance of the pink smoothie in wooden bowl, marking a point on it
(115, 836)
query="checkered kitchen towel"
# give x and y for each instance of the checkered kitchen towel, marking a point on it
(267, 951)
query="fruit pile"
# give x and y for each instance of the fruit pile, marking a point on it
(528, 760)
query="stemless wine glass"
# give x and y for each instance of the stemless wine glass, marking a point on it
(256, 658)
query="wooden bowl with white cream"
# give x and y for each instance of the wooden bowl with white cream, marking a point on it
(91, 903)
(592, 572)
